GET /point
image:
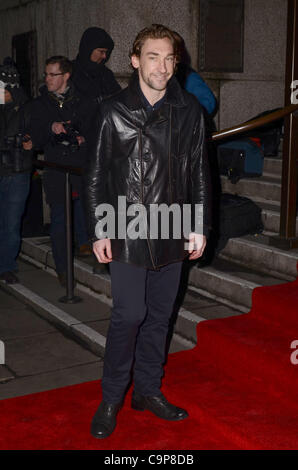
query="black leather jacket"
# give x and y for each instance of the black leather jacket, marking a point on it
(150, 160)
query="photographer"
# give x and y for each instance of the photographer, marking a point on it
(60, 119)
(15, 167)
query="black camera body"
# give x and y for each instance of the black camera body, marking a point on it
(68, 139)
(12, 156)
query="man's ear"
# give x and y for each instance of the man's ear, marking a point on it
(135, 61)
(67, 75)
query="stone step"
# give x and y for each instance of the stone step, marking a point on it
(271, 215)
(229, 281)
(195, 307)
(87, 321)
(224, 282)
(272, 176)
(260, 188)
(273, 165)
(254, 252)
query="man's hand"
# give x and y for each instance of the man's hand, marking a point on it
(196, 247)
(102, 250)
(80, 139)
(27, 145)
(58, 128)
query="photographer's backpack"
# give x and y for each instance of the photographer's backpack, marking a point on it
(238, 216)
(240, 158)
(269, 134)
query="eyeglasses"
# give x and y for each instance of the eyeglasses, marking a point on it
(45, 75)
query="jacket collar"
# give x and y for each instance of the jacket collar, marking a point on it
(174, 95)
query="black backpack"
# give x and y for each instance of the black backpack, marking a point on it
(238, 216)
(269, 134)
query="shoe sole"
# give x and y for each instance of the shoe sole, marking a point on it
(137, 407)
(100, 437)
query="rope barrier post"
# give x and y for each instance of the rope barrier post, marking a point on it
(69, 298)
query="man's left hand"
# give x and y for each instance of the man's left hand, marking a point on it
(196, 247)
(27, 145)
(80, 139)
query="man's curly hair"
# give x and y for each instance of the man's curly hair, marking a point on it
(155, 31)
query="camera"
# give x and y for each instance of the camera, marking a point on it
(12, 156)
(68, 139)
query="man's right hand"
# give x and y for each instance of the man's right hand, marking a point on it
(102, 250)
(58, 127)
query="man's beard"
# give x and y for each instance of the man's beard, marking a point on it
(155, 84)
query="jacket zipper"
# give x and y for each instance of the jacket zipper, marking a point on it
(142, 189)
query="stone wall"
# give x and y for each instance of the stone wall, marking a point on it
(261, 85)
(60, 24)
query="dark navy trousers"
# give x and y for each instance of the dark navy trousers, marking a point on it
(143, 303)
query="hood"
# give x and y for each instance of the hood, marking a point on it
(94, 38)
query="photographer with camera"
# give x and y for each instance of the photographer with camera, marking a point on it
(15, 167)
(60, 119)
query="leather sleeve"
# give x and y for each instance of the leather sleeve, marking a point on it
(96, 169)
(200, 176)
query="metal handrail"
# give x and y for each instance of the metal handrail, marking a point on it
(252, 124)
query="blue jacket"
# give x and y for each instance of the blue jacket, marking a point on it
(195, 84)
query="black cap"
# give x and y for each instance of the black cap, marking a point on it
(9, 74)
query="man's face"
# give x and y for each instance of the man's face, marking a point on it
(98, 55)
(156, 64)
(7, 97)
(55, 80)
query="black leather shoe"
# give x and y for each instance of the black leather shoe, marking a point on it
(104, 420)
(158, 405)
(100, 268)
(9, 277)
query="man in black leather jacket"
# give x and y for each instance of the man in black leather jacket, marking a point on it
(148, 148)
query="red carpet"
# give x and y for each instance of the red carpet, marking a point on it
(238, 384)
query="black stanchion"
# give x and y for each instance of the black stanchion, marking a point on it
(69, 298)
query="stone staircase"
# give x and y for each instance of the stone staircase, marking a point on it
(250, 261)
(220, 289)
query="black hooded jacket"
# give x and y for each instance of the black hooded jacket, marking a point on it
(91, 79)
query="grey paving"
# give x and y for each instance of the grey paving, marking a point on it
(18, 322)
(5, 375)
(38, 356)
(51, 380)
(45, 353)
